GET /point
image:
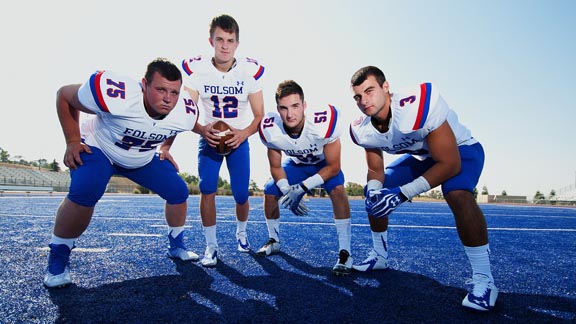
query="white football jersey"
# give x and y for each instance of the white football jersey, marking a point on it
(322, 126)
(224, 95)
(416, 112)
(122, 128)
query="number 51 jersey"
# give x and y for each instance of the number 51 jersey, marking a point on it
(122, 128)
(321, 127)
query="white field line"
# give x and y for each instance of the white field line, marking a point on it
(297, 223)
(89, 250)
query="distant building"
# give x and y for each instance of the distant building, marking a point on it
(488, 199)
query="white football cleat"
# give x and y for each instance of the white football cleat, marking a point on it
(374, 261)
(243, 244)
(271, 247)
(344, 264)
(210, 258)
(482, 295)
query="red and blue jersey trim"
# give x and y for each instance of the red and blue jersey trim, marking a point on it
(424, 106)
(261, 132)
(333, 121)
(97, 91)
(259, 73)
(352, 136)
(186, 68)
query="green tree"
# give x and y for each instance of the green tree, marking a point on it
(223, 183)
(484, 190)
(354, 189)
(539, 197)
(435, 194)
(189, 178)
(504, 193)
(54, 166)
(4, 156)
(253, 186)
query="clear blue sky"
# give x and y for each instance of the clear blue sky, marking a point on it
(506, 67)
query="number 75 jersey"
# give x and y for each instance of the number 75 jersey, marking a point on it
(122, 128)
(321, 127)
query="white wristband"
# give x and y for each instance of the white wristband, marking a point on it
(416, 187)
(373, 184)
(313, 181)
(283, 185)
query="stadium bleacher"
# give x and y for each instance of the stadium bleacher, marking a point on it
(22, 178)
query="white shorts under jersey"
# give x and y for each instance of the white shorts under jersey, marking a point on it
(322, 126)
(122, 128)
(224, 95)
(416, 112)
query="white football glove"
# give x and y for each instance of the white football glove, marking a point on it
(381, 202)
(293, 200)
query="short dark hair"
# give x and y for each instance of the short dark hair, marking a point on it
(165, 68)
(227, 24)
(288, 87)
(362, 74)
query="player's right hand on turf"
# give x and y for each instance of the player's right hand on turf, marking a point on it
(381, 202)
(72, 155)
(292, 199)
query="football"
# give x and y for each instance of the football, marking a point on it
(224, 130)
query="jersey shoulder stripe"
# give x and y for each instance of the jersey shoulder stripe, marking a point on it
(333, 121)
(250, 67)
(352, 136)
(271, 130)
(188, 63)
(261, 133)
(259, 73)
(96, 90)
(424, 105)
(354, 128)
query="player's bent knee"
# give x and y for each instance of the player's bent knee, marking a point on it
(241, 198)
(87, 199)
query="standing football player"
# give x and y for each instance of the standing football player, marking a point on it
(131, 119)
(230, 90)
(312, 144)
(436, 150)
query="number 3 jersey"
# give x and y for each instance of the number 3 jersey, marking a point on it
(224, 95)
(416, 112)
(122, 128)
(321, 126)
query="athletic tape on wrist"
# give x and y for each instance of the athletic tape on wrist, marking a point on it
(374, 184)
(283, 185)
(416, 187)
(313, 181)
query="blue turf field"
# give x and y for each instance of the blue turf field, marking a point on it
(121, 275)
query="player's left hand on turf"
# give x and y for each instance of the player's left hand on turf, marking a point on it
(381, 202)
(293, 200)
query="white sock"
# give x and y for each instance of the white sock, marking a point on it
(174, 231)
(273, 228)
(479, 257)
(241, 226)
(58, 240)
(380, 243)
(210, 235)
(344, 230)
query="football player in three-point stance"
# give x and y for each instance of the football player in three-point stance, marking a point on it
(437, 150)
(227, 89)
(312, 143)
(131, 119)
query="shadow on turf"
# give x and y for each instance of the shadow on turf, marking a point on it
(302, 294)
